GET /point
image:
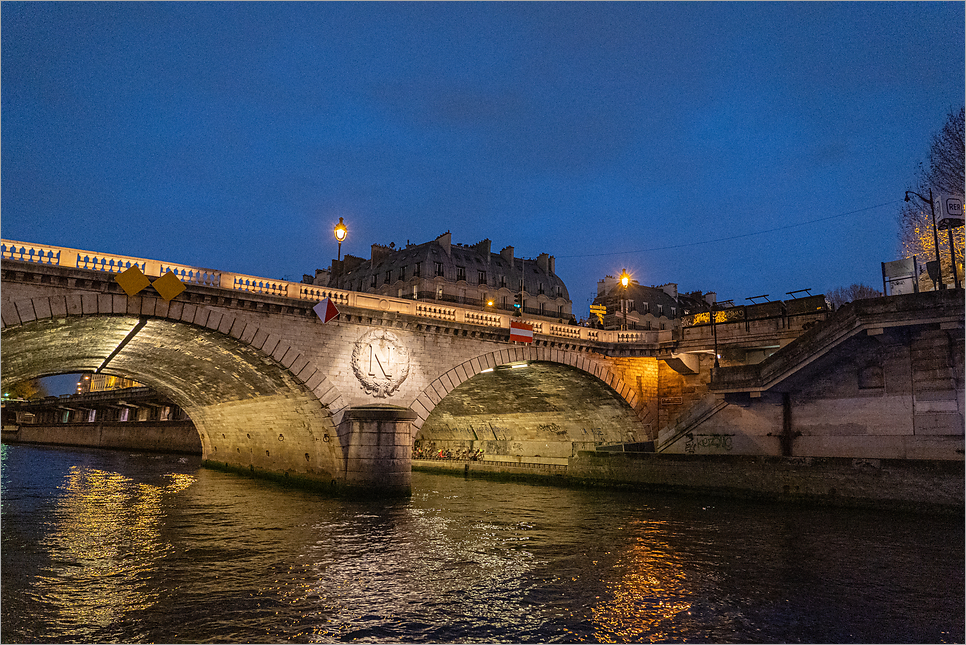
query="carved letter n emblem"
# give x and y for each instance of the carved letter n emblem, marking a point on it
(380, 362)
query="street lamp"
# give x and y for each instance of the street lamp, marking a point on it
(938, 282)
(625, 279)
(340, 233)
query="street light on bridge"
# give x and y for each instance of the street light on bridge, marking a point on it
(340, 232)
(625, 280)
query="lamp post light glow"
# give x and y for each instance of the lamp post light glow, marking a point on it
(625, 280)
(340, 232)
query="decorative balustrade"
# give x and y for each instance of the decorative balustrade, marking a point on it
(477, 318)
(567, 331)
(263, 286)
(312, 292)
(106, 263)
(109, 263)
(434, 311)
(30, 253)
(203, 277)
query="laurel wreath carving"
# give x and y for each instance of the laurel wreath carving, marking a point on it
(378, 384)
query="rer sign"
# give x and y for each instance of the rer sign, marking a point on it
(950, 211)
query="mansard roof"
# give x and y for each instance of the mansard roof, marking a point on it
(472, 258)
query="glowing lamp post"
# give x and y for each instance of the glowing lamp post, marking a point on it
(625, 280)
(340, 233)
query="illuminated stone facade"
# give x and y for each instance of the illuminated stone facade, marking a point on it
(467, 275)
(637, 306)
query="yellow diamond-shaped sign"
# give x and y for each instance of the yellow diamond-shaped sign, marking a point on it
(168, 286)
(132, 280)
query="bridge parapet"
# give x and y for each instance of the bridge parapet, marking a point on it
(57, 256)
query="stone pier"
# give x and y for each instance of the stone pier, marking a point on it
(379, 451)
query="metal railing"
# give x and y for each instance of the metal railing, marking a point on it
(46, 254)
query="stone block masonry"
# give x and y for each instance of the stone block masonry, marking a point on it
(162, 436)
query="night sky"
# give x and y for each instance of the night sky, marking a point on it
(741, 148)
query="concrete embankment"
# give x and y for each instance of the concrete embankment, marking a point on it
(917, 485)
(158, 436)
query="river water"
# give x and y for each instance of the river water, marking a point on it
(102, 546)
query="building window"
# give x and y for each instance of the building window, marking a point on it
(481, 277)
(372, 281)
(402, 273)
(416, 269)
(674, 312)
(461, 274)
(539, 288)
(91, 416)
(124, 413)
(399, 292)
(503, 303)
(660, 311)
(439, 292)
(541, 308)
(415, 292)
(388, 277)
(644, 307)
(439, 268)
(502, 280)
(560, 310)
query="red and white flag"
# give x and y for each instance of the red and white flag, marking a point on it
(521, 332)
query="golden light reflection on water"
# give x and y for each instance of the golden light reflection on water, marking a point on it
(104, 544)
(645, 600)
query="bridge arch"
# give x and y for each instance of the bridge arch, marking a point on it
(258, 403)
(435, 393)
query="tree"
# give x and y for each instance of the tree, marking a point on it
(842, 295)
(945, 175)
(32, 389)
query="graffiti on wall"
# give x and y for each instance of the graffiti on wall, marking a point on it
(708, 443)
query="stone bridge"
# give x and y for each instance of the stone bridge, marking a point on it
(274, 390)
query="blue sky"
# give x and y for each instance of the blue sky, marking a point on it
(666, 138)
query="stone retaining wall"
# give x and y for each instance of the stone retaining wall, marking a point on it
(934, 486)
(159, 436)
